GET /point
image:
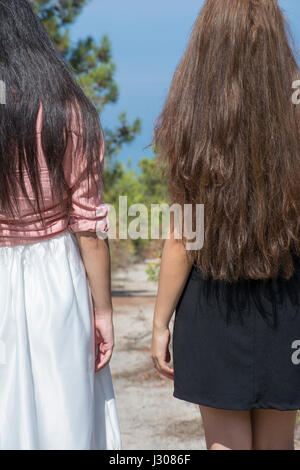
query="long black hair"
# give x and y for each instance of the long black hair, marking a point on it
(34, 74)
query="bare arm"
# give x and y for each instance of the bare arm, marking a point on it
(87, 215)
(174, 272)
(96, 258)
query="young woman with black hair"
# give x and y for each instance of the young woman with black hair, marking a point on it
(56, 330)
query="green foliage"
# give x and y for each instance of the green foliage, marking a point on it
(153, 271)
(153, 186)
(120, 180)
(146, 188)
(124, 134)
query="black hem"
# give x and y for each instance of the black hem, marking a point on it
(254, 406)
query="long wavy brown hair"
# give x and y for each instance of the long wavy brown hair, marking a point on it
(229, 136)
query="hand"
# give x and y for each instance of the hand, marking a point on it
(160, 351)
(104, 338)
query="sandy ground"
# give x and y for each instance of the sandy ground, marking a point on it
(150, 417)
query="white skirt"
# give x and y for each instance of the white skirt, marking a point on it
(50, 396)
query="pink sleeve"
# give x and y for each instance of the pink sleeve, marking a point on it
(86, 213)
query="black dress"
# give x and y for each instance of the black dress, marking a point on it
(237, 346)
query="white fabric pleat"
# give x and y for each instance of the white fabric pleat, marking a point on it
(50, 396)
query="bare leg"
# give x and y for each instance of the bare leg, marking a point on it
(273, 429)
(227, 429)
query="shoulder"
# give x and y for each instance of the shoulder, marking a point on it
(77, 115)
(73, 119)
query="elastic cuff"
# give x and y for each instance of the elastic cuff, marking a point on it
(103, 224)
(100, 223)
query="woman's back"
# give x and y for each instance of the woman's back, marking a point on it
(74, 210)
(229, 135)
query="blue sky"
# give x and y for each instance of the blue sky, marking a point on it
(148, 39)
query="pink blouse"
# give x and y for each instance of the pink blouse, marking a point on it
(84, 214)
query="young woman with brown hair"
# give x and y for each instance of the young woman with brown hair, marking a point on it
(229, 135)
